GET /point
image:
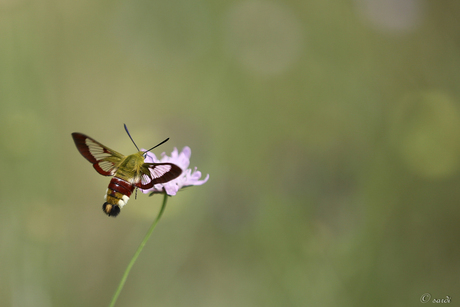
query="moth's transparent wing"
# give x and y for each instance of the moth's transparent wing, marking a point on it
(105, 160)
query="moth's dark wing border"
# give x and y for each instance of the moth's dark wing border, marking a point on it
(103, 158)
(154, 173)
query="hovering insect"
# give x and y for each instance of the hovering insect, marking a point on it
(129, 172)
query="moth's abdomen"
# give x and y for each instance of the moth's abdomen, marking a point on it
(117, 196)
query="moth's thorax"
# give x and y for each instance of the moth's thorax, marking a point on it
(130, 166)
(133, 161)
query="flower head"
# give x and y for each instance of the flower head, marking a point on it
(187, 178)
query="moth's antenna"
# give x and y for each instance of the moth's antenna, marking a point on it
(126, 128)
(158, 145)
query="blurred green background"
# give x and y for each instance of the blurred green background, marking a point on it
(330, 130)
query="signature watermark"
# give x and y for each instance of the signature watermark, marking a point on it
(426, 298)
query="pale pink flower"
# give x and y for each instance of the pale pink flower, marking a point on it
(186, 179)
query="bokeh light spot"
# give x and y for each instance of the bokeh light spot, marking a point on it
(425, 128)
(395, 16)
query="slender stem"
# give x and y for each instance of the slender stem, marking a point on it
(138, 251)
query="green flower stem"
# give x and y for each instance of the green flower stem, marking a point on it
(136, 254)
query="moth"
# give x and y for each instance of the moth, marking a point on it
(129, 172)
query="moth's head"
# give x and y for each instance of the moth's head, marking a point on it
(110, 210)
